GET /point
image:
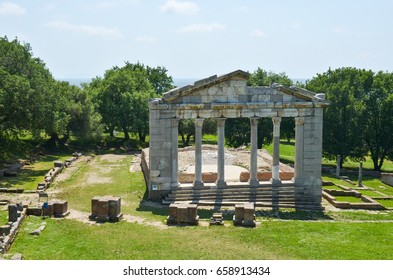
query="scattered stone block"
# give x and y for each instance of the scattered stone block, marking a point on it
(17, 257)
(106, 209)
(5, 229)
(77, 155)
(244, 215)
(58, 163)
(12, 213)
(183, 214)
(39, 230)
(217, 219)
(60, 208)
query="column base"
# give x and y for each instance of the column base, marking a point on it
(198, 184)
(175, 185)
(275, 182)
(221, 184)
(253, 182)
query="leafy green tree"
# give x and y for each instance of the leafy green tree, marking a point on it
(186, 130)
(28, 93)
(122, 97)
(377, 118)
(345, 88)
(85, 121)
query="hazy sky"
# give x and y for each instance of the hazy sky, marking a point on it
(197, 39)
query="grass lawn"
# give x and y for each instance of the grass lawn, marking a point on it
(69, 239)
(293, 235)
(331, 178)
(3, 217)
(388, 203)
(350, 199)
(30, 175)
(369, 193)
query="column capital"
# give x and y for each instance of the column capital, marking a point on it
(221, 121)
(254, 120)
(198, 122)
(175, 122)
(276, 120)
(299, 121)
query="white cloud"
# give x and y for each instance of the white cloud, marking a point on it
(146, 39)
(109, 33)
(184, 8)
(8, 8)
(202, 28)
(258, 33)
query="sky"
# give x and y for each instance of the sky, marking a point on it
(81, 39)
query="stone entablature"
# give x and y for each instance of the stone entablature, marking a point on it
(228, 96)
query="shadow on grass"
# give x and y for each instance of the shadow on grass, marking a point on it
(294, 215)
(206, 214)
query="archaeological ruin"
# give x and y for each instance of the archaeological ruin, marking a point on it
(228, 96)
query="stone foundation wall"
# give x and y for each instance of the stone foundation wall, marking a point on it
(266, 176)
(387, 178)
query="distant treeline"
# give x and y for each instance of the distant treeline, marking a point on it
(34, 105)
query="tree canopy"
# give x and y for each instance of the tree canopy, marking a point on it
(358, 121)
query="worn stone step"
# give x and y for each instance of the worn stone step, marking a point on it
(301, 205)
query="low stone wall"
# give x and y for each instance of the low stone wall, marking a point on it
(207, 177)
(58, 167)
(266, 176)
(9, 231)
(368, 203)
(387, 178)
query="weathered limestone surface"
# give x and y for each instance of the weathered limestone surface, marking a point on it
(183, 214)
(105, 209)
(228, 96)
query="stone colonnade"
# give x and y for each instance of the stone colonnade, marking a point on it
(253, 181)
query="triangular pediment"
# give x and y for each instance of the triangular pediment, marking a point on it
(232, 88)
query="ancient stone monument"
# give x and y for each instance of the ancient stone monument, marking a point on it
(244, 215)
(105, 209)
(228, 96)
(182, 214)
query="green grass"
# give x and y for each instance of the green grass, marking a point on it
(30, 175)
(350, 199)
(3, 217)
(287, 151)
(69, 239)
(369, 193)
(332, 188)
(388, 203)
(331, 178)
(361, 215)
(293, 235)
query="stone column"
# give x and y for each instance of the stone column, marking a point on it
(254, 153)
(276, 151)
(338, 161)
(221, 153)
(198, 153)
(299, 149)
(360, 178)
(174, 152)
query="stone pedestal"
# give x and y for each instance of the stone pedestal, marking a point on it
(106, 209)
(217, 219)
(183, 214)
(60, 208)
(244, 215)
(5, 229)
(12, 212)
